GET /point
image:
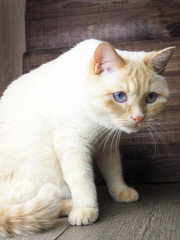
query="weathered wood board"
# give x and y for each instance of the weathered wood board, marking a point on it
(155, 216)
(56, 24)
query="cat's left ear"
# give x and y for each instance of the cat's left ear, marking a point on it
(106, 59)
(160, 59)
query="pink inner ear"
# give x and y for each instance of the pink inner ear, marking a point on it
(98, 69)
(98, 60)
(106, 59)
(98, 55)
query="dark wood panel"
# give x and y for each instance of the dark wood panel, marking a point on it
(142, 164)
(148, 163)
(34, 58)
(41, 9)
(148, 21)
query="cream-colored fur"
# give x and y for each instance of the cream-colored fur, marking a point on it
(56, 118)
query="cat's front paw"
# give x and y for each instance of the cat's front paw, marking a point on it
(127, 195)
(83, 216)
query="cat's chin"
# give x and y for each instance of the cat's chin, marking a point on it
(130, 130)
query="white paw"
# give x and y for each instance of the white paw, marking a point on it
(127, 195)
(83, 216)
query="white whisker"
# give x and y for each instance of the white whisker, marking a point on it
(162, 140)
(108, 138)
(154, 142)
(104, 132)
(111, 146)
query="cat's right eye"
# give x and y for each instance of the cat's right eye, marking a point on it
(120, 97)
(151, 97)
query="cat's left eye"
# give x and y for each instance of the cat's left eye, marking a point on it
(120, 97)
(151, 97)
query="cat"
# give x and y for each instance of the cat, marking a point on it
(55, 119)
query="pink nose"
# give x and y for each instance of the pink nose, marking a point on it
(138, 118)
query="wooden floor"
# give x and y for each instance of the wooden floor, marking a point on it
(156, 216)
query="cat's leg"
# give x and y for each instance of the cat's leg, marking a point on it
(77, 170)
(66, 207)
(109, 163)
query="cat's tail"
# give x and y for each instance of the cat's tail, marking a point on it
(35, 215)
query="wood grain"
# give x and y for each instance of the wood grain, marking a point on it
(155, 216)
(42, 9)
(144, 164)
(33, 59)
(74, 21)
(12, 40)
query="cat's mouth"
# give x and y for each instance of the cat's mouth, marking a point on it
(132, 128)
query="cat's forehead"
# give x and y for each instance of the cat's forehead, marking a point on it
(135, 77)
(136, 72)
(138, 75)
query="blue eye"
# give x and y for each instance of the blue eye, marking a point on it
(151, 97)
(120, 97)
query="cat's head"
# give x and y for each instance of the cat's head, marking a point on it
(126, 89)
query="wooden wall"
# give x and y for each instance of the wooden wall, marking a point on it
(12, 40)
(54, 26)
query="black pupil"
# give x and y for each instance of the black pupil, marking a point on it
(151, 97)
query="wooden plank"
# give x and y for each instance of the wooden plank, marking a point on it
(155, 216)
(12, 40)
(148, 21)
(40, 9)
(146, 164)
(34, 58)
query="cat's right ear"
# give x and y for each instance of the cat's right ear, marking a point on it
(159, 59)
(106, 59)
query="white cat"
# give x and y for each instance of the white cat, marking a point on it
(56, 118)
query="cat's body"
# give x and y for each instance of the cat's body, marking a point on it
(53, 121)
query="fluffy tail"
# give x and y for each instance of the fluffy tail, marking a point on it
(35, 215)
